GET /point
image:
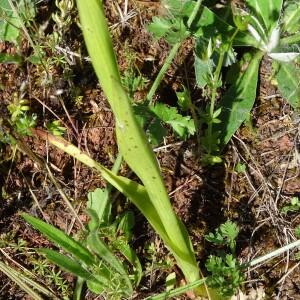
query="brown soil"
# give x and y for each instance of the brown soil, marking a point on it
(203, 197)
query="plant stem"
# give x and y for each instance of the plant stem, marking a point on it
(215, 86)
(171, 56)
(194, 14)
(162, 72)
(213, 99)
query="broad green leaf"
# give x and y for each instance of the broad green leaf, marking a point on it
(266, 10)
(10, 23)
(209, 25)
(98, 200)
(238, 101)
(288, 78)
(61, 239)
(203, 71)
(291, 17)
(66, 263)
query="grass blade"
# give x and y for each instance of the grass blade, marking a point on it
(17, 278)
(61, 239)
(66, 263)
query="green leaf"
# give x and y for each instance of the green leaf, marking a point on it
(268, 11)
(61, 239)
(95, 286)
(10, 59)
(10, 23)
(18, 278)
(182, 125)
(131, 256)
(238, 101)
(98, 200)
(288, 78)
(102, 250)
(203, 71)
(66, 263)
(291, 17)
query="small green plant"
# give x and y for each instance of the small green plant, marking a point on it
(294, 206)
(20, 117)
(55, 128)
(270, 28)
(226, 274)
(226, 271)
(226, 234)
(91, 259)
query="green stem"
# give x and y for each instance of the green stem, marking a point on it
(215, 86)
(162, 72)
(213, 99)
(194, 14)
(171, 56)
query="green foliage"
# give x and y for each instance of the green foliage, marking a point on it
(240, 168)
(10, 21)
(294, 206)
(55, 128)
(288, 78)
(226, 234)
(172, 27)
(132, 82)
(154, 116)
(20, 118)
(226, 275)
(226, 272)
(10, 59)
(182, 125)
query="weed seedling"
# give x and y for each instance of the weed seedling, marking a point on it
(226, 272)
(294, 206)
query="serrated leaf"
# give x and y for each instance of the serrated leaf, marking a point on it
(230, 230)
(288, 78)
(61, 239)
(182, 125)
(238, 101)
